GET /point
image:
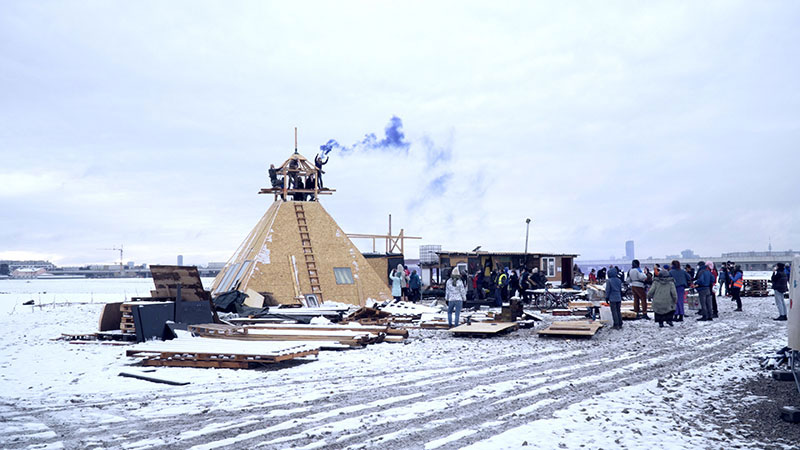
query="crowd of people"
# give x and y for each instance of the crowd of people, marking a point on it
(406, 284)
(667, 286)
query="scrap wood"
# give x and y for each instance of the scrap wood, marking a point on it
(204, 352)
(246, 333)
(153, 379)
(572, 328)
(484, 329)
(366, 312)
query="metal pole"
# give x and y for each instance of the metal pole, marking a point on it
(527, 230)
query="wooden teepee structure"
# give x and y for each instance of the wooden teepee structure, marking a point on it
(297, 249)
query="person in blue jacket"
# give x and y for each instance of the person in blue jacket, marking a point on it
(682, 281)
(414, 285)
(736, 282)
(703, 284)
(614, 296)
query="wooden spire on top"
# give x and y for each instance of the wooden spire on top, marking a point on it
(294, 170)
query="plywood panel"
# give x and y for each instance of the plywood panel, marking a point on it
(277, 239)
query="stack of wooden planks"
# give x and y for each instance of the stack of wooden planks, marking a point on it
(354, 336)
(484, 329)
(204, 352)
(582, 328)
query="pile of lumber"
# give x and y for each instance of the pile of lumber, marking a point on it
(582, 328)
(204, 352)
(756, 288)
(352, 336)
(484, 329)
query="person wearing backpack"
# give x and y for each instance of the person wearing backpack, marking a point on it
(636, 278)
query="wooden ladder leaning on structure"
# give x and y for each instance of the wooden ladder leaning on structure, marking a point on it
(308, 251)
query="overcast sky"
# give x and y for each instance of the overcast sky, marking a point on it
(152, 124)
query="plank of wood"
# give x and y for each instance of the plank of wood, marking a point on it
(484, 327)
(153, 379)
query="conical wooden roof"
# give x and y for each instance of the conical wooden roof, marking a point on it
(297, 249)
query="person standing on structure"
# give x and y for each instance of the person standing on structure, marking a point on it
(318, 163)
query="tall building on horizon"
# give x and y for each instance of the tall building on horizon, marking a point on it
(629, 253)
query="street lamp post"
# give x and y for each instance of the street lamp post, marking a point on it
(527, 230)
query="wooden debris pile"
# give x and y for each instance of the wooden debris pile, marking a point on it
(484, 329)
(355, 335)
(572, 328)
(204, 352)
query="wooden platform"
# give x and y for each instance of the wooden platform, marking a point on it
(260, 333)
(581, 328)
(484, 329)
(204, 352)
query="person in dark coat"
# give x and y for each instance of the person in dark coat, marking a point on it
(298, 184)
(664, 298)
(414, 286)
(723, 281)
(780, 286)
(614, 297)
(601, 274)
(682, 281)
(318, 163)
(513, 283)
(704, 284)
(525, 284)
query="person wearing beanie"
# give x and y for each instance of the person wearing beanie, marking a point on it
(455, 293)
(779, 288)
(665, 297)
(703, 285)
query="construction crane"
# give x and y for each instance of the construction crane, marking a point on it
(120, 254)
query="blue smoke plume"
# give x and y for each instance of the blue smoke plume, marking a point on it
(393, 139)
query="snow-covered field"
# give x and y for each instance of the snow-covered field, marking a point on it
(642, 387)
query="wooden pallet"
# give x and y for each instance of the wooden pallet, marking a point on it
(205, 353)
(581, 328)
(484, 329)
(257, 333)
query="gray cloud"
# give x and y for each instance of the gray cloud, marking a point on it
(152, 125)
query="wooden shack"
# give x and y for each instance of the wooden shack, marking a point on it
(557, 267)
(297, 250)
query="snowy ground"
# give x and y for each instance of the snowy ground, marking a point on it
(692, 386)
